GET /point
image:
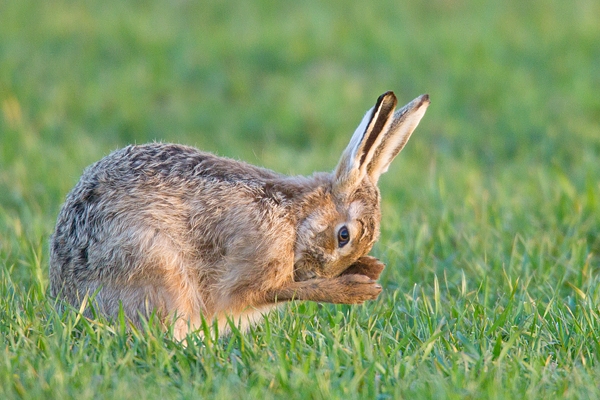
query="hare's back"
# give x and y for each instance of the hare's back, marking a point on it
(172, 163)
(140, 201)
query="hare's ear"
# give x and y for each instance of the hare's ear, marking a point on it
(352, 166)
(403, 124)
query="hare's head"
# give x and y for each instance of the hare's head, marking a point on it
(344, 225)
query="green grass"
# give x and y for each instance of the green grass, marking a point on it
(491, 228)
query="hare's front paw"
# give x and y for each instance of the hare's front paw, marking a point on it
(368, 266)
(344, 289)
(356, 289)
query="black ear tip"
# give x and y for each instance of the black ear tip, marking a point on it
(424, 99)
(387, 95)
(386, 100)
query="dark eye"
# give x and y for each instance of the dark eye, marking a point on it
(343, 236)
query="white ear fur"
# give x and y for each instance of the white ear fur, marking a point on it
(403, 123)
(365, 141)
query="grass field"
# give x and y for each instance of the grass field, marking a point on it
(491, 228)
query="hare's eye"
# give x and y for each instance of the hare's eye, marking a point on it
(343, 236)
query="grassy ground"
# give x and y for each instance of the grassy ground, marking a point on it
(491, 228)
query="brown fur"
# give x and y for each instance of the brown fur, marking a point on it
(168, 229)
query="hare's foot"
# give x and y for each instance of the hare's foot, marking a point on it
(344, 289)
(367, 265)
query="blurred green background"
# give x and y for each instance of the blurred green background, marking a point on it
(498, 186)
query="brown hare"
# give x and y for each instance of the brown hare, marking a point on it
(169, 229)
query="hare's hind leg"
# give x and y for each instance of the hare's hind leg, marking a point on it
(164, 279)
(161, 281)
(179, 295)
(139, 302)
